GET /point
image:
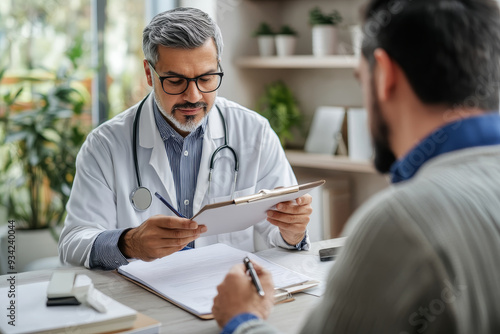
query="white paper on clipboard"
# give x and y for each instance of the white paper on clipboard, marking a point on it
(241, 213)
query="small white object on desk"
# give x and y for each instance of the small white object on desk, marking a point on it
(84, 291)
(61, 284)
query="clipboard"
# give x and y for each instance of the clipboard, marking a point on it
(243, 212)
(285, 295)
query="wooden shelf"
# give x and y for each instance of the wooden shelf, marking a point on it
(328, 162)
(305, 61)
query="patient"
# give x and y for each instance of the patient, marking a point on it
(422, 256)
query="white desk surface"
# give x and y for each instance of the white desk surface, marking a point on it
(286, 317)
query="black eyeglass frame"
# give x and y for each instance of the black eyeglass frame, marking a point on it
(188, 80)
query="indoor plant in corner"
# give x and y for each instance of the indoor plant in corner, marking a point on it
(39, 143)
(280, 107)
(265, 39)
(324, 31)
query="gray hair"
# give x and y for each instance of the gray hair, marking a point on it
(182, 28)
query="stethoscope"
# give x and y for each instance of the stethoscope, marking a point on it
(141, 197)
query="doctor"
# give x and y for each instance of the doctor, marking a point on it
(168, 143)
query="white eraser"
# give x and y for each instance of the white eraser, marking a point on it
(61, 284)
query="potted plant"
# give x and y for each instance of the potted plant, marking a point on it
(324, 32)
(286, 40)
(265, 39)
(280, 107)
(38, 149)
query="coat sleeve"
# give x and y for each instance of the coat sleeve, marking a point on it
(85, 215)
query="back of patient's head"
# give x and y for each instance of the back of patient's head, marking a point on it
(448, 49)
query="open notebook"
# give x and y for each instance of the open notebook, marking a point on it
(189, 278)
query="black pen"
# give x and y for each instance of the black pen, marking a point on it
(164, 201)
(253, 275)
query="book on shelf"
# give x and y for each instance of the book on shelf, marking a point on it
(189, 279)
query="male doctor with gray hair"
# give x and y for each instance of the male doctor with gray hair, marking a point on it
(185, 143)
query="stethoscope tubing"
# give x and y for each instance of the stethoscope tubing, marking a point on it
(141, 196)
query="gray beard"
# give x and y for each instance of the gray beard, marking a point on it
(189, 126)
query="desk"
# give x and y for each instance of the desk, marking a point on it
(287, 317)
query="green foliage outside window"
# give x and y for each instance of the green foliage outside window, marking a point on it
(39, 141)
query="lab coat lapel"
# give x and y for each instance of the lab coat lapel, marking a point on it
(213, 131)
(150, 138)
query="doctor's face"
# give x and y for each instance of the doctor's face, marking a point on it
(186, 111)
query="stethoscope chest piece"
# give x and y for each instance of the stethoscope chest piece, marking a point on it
(141, 198)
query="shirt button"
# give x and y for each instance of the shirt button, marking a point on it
(186, 202)
(186, 153)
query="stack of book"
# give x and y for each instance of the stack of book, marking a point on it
(32, 315)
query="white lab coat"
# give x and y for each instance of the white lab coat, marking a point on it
(105, 177)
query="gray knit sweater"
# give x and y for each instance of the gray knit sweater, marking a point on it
(422, 256)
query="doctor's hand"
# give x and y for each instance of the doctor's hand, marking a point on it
(159, 236)
(292, 218)
(237, 294)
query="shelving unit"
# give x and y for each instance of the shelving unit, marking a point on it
(315, 82)
(298, 62)
(328, 162)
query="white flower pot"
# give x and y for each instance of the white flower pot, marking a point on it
(266, 45)
(30, 245)
(285, 45)
(324, 39)
(356, 39)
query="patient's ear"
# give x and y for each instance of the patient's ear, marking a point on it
(385, 74)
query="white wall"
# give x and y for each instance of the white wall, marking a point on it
(208, 6)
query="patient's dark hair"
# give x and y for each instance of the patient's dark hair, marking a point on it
(448, 49)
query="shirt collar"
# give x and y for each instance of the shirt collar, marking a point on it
(167, 131)
(470, 132)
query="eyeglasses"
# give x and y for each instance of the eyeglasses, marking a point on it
(176, 84)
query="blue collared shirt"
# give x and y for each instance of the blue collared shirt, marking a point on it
(184, 155)
(483, 130)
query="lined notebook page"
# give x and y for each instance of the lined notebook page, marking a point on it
(190, 278)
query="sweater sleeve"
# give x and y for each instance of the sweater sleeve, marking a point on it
(387, 278)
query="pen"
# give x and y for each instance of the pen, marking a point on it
(160, 197)
(253, 275)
